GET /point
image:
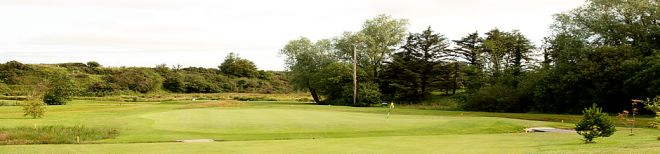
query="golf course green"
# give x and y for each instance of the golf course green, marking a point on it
(292, 127)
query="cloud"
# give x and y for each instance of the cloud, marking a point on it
(182, 31)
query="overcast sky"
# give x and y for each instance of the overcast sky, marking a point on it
(202, 32)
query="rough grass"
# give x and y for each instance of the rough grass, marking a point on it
(54, 135)
(10, 103)
(221, 103)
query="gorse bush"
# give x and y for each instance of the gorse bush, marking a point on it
(141, 80)
(54, 134)
(101, 89)
(594, 124)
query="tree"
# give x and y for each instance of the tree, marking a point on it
(416, 70)
(304, 60)
(495, 47)
(238, 67)
(602, 52)
(594, 124)
(60, 88)
(34, 106)
(496, 69)
(375, 43)
(508, 50)
(469, 48)
(519, 51)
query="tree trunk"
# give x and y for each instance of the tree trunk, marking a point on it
(314, 95)
(453, 92)
(312, 91)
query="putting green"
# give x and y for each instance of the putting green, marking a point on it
(316, 124)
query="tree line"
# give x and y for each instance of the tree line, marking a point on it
(604, 52)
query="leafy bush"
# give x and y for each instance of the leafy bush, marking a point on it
(594, 124)
(102, 89)
(136, 79)
(60, 88)
(93, 64)
(368, 94)
(198, 84)
(654, 105)
(52, 99)
(496, 98)
(174, 83)
(4, 89)
(34, 108)
(11, 71)
(54, 135)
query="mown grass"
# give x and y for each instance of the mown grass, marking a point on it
(298, 127)
(463, 143)
(54, 135)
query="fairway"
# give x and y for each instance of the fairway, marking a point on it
(290, 127)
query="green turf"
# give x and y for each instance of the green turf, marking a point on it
(293, 127)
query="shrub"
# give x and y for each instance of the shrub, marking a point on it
(495, 98)
(34, 109)
(654, 105)
(34, 106)
(136, 79)
(594, 124)
(93, 64)
(174, 83)
(102, 89)
(4, 89)
(53, 99)
(11, 71)
(368, 94)
(198, 84)
(60, 89)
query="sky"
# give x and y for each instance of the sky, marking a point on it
(201, 33)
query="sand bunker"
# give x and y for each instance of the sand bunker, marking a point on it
(548, 129)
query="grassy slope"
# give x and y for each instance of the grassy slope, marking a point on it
(292, 127)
